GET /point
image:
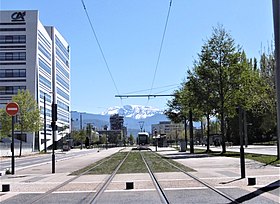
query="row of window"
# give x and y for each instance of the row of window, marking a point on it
(44, 39)
(62, 57)
(63, 94)
(44, 66)
(62, 105)
(63, 82)
(10, 90)
(12, 39)
(12, 29)
(11, 73)
(48, 96)
(44, 51)
(45, 81)
(61, 47)
(12, 56)
(62, 70)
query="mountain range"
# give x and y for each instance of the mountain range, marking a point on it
(135, 116)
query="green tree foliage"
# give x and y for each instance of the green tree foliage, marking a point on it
(223, 79)
(79, 136)
(29, 115)
(6, 124)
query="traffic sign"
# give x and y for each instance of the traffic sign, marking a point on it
(12, 108)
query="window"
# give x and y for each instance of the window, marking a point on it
(12, 73)
(12, 39)
(12, 56)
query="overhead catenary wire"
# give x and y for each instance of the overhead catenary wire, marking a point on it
(144, 90)
(160, 49)
(99, 46)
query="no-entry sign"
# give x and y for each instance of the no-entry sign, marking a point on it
(12, 108)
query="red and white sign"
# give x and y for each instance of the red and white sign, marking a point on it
(12, 108)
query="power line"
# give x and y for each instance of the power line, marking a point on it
(100, 48)
(161, 44)
(139, 91)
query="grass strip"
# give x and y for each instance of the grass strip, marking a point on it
(133, 164)
(262, 158)
(158, 163)
(106, 168)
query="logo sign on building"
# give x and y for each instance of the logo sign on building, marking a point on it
(12, 108)
(18, 16)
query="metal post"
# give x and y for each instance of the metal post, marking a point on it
(186, 137)
(45, 125)
(54, 119)
(13, 145)
(276, 16)
(191, 132)
(245, 128)
(242, 156)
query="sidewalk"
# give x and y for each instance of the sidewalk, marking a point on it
(220, 172)
(254, 149)
(224, 172)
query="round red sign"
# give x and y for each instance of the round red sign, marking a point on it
(12, 108)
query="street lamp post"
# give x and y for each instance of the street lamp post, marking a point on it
(54, 127)
(241, 135)
(105, 128)
(45, 125)
(276, 16)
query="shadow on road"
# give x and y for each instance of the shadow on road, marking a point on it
(258, 192)
(185, 156)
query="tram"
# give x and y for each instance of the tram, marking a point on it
(143, 138)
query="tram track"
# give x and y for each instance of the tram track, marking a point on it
(232, 200)
(39, 198)
(100, 189)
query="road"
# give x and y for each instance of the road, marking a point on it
(37, 159)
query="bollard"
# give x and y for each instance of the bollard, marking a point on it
(251, 181)
(129, 185)
(5, 187)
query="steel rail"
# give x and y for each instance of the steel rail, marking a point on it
(159, 189)
(36, 199)
(107, 182)
(233, 200)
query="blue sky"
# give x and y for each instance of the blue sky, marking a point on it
(130, 33)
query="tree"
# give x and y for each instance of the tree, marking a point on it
(79, 136)
(29, 114)
(220, 60)
(6, 124)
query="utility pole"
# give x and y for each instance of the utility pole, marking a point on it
(45, 125)
(54, 128)
(241, 135)
(191, 132)
(276, 18)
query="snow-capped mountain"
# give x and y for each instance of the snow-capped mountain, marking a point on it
(133, 111)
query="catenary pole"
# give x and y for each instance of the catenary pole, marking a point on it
(276, 19)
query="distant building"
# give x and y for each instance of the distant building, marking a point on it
(171, 130)
(116, 122)
(36, 58)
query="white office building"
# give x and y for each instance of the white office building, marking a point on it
(37, 58)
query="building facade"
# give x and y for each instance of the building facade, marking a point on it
(173, 131)
(35, 57)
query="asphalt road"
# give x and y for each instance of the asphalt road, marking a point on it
(40, 159)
